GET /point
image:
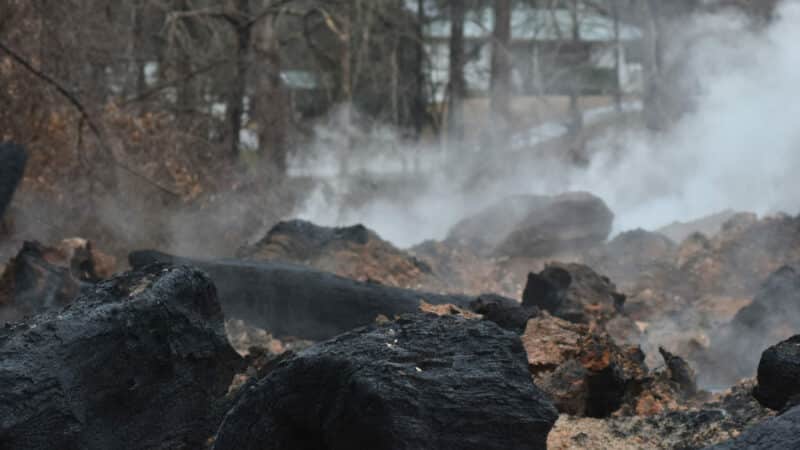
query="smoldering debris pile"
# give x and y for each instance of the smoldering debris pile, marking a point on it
(530, 332)
(353, 252)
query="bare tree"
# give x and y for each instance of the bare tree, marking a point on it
(269, 102)
(501, 64)
(575, 114)
(457, 88)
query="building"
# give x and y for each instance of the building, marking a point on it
(546, 59)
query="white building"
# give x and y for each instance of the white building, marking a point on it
(544, 54)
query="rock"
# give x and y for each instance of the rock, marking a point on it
(536, 226)
(574, 292)
(570, 222)
(41, 277)
(13, 158)
(422, 382)
(506, 312)
(630, 253)
(485, 230)
(782, 432)
(679, 372)
(296, 301)
(779, 374)
(137, 362)
(353, 252)
(550, 342)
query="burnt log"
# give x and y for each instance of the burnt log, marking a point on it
(297, 301)
(779, 375)
(13, 158)
(422, 382)
(137, 362)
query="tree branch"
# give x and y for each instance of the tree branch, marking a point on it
(84, 116)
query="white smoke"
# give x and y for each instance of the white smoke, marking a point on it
(739, 148)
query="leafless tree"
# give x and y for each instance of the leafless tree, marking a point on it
(457, 85)
(501, 64)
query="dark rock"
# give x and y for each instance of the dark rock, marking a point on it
(422, 382)
(570, 222)
(485, 230)
(567, 386)
(138, 362)
(574, 292)
(13, 158)
(506, 312)
(292, 300)
(536, 226)
(779, 374)
(679, 372)
(778, 433)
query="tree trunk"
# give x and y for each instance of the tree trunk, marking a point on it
(236, 98)
(653, 63)
(183, 63)
(455, 107)
(576, 116)
(270, 100)
(501, 65)
(617, 57)
(419, 110)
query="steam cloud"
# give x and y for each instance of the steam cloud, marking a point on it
(738, 148)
